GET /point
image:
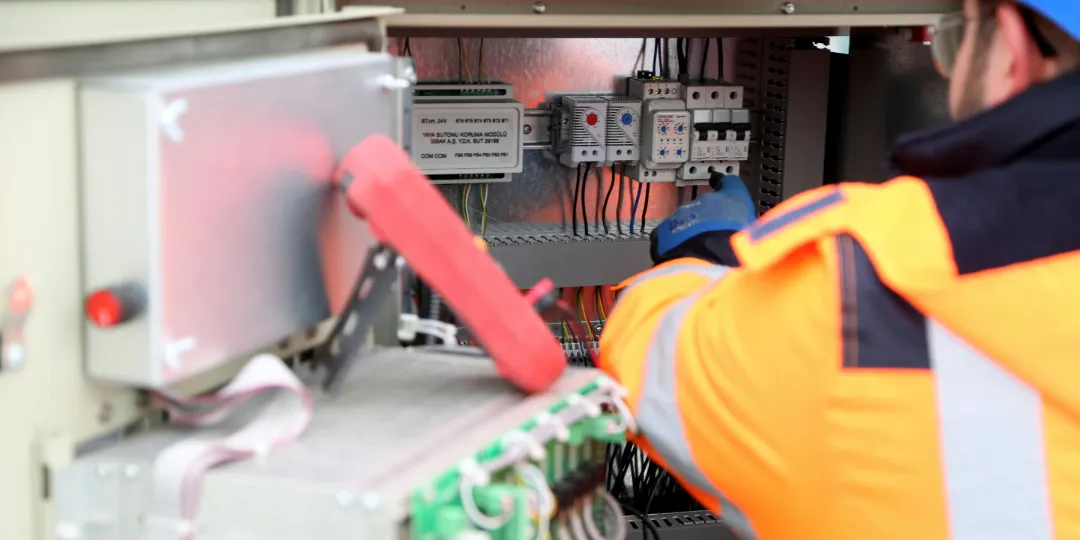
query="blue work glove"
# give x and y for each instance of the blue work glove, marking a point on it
(703, 227)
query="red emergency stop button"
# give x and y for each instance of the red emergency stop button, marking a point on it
(591, 119)
(113, 305)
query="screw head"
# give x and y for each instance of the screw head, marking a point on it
(14, 356)
(105, 413)
(345, 498)
(788, 8)
(539, 8)
(527, 129)
(371, 501)
(131, 471)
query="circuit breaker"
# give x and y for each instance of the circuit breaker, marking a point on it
(582, 130)
(467, 132)
(720, 135)
(623, 129)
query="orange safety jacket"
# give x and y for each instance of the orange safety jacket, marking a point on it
(894, 361)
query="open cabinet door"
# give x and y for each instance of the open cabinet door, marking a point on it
(209, 209)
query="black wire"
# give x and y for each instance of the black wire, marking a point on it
(649, 527)
(693, 193)
(619, 199)
(577, 188)
(719, 59)
(680, 52)
(704, 58)
(460, 66)
(584, 211)
(407, 49)
(611, 187)
(480, 66)
(665, 58)
(645, 205)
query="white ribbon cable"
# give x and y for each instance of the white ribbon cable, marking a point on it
(264, 407)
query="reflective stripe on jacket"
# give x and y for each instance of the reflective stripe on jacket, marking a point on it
(889, 362)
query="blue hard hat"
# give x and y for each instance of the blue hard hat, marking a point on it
(1064, 13)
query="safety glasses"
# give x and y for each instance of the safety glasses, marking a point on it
(946, 38)
(948, 35)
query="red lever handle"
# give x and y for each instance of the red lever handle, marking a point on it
(406, 212)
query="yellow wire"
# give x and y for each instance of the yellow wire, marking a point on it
(600, 304)
(464, 214)
(483, 209)
(565, 331)
(464, 59)
(584, 316)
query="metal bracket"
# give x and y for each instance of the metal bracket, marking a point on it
(536, 131)
(20, 301)
(350, 331)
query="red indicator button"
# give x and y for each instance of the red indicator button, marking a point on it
(104, 309)
(591, 119)
(111, 306)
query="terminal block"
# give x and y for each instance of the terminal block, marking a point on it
(566, 445)
(652, 88)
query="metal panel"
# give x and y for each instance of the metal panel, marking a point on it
(791, 8)
(402, 418)
(602, 259)
(886, 87)
(762, 68)
(807, 116)
(701, 525)
(209, 189)
(151, 51)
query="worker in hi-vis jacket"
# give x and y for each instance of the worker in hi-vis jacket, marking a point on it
(890, 361)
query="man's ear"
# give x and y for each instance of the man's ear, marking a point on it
(1024, 64)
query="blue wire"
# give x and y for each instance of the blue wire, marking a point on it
(633, 206)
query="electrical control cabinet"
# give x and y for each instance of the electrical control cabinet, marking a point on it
(623, 129)
(467, 132)
(582, 130)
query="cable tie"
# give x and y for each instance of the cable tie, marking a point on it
(533, 449)
(562, 432)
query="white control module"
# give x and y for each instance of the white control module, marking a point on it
(582, 134)
(467, 133)
(666, 128)
(623, 129)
